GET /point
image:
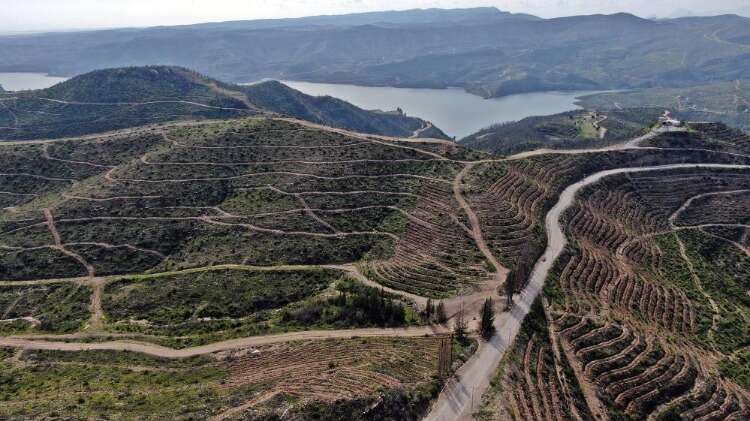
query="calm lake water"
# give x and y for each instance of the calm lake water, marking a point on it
(24, 81)
(455, 111)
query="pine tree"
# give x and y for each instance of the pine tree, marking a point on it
(440, 315)
(460, 328)
(428, 310)
(510, 288)
(487, 319)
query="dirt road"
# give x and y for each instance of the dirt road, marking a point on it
(462, 394)
(165, 352)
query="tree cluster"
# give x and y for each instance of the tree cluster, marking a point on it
(434, 313)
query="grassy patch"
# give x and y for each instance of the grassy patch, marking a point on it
(56, 308)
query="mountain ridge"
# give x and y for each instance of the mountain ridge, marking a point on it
(468, 48)
(111, 99)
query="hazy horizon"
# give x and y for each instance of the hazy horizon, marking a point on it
(56, 15)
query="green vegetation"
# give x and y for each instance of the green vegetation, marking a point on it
(58, 308)
(737, 368)
(205, 306)
(98, 385)
(728, 102)
(487, 320)
(334, 112)
(508, 389)
(108, 384)
(724, 271)
(207, 301)
(575, 129)
(112, 99)
(353, 305)
(38, 264)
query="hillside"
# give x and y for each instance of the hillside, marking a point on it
(575, 129)
(113, 99)
(191, 234)
(485, 51)
(333, 112)
(728, 102)
(253, 262)
(233, 262)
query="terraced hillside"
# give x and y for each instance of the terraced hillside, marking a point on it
(535, 381)
(195, 233)
(255, 192)
(264, 265)
(650, 304)
(342, 376)
(647, 305)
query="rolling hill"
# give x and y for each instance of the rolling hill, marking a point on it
(728, 102)
(572, 130)
(113, 99)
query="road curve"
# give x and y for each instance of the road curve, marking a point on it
(463, 393)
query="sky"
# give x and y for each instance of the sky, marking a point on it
(44, 15)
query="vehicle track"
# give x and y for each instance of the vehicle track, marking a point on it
(165, 352)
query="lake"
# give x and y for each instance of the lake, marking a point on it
(454, 110)
(24, 81)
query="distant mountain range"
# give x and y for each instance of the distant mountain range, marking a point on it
(485, 51)
(119, 98)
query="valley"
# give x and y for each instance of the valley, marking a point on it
(246, 266)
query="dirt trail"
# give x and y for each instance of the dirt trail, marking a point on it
(97, 312)
(379, 139)
(110, 278)
(114, 104)
(476, 228)
(683, 208)
(696, 279)
(60, 247)
(630, 144)
(742, 248)
(310, 212)
(263, 397)
(110, 178)
(165, 352)
(46, 155)
(418, 133)
(355, 273)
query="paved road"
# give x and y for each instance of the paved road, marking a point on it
(462, 395)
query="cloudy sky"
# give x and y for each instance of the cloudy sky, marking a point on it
(34, 15)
